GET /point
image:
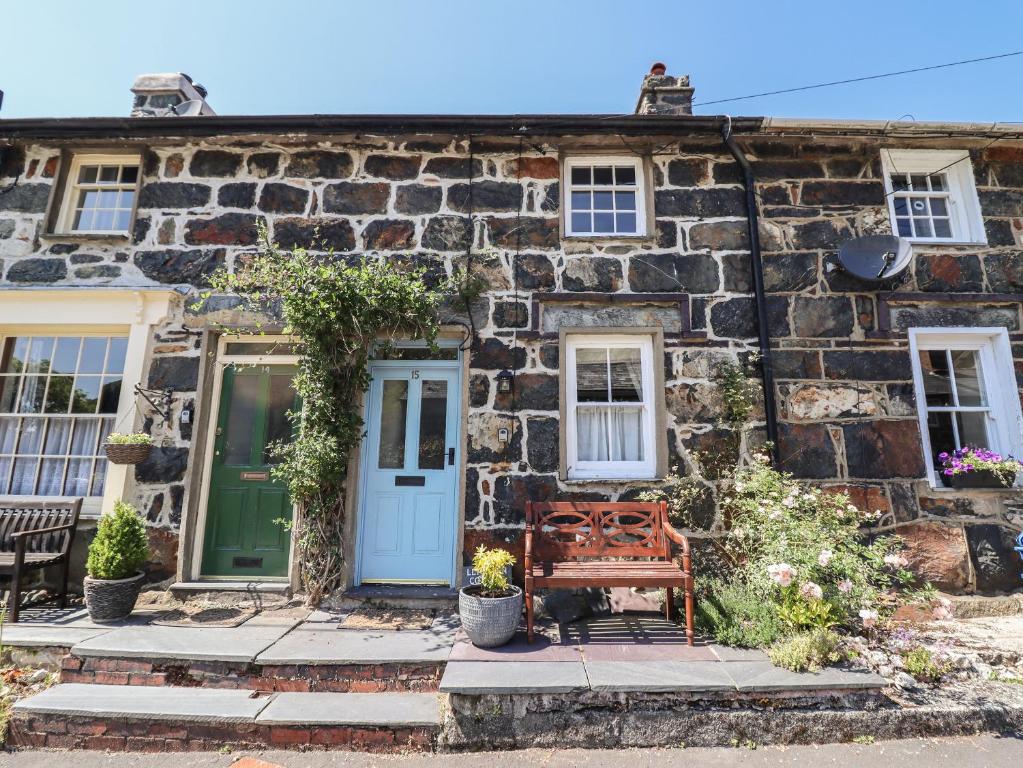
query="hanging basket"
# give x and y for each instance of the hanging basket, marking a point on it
(120, 453)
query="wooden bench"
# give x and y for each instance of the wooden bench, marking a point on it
(34, 535)
(581, 544)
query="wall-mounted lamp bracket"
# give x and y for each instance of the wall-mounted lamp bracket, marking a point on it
(159, 399)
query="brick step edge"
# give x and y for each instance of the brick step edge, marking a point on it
(290, 678)
(119, 734)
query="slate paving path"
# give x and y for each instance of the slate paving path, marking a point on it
(623, 653)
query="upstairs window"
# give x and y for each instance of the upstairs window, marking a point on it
(604, 197)
(932, 197)
(965, 391)
(99, 198)
(610, 409)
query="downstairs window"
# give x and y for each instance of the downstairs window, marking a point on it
(965, 392)
(610, 407)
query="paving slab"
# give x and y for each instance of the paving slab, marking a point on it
(490, 677)
(239, 644)
(44, 636)
(372, 709)
(541, 649)
(627, 652)
(628, 628)
(313, 644)
(658, 676)
(144, 703)
(764, 676)
(727, 653)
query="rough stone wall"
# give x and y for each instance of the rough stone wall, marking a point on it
(845, 397)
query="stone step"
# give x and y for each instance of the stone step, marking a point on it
(79, 716)
(983, 606)
(310, 657)
(397, 596)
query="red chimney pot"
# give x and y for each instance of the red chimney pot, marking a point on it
(658, 69)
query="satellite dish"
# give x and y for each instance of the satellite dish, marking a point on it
(875, 258)
(188, 108)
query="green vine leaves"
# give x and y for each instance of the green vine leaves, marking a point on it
(338, 309)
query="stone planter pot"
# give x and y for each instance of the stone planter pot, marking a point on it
(119, 453)
(489, 621)
(981, 479)
(112, 599)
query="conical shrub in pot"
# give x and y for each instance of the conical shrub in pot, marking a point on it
(116, 555)
(490, 611)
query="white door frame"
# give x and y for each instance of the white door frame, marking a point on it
(360, 496)
(223, 360)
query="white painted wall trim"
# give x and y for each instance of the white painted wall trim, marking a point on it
(70, 311)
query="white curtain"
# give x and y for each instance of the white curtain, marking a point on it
(609, 433)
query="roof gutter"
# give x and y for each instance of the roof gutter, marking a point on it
(757, 267)
(491, 125)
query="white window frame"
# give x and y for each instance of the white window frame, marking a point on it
(611, 470)
(65, 219)
(576, 161)
(995, 354)
(967, 222)
(90, 500)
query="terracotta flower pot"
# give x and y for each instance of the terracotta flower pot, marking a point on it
(112, 599)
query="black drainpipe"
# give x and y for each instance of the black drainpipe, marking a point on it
(757, 264)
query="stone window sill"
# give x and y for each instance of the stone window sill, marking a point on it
(945, 491)
(608, 480)
(58, 237)
(604, 240)
(926, 245)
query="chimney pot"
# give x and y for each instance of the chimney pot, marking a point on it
(658, 68)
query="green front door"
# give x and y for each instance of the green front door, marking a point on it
(244, 534)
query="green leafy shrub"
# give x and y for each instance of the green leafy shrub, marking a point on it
(806, 650)
(804, 549)
(490, 564)
(132, 438)
(735, 615)
(924, 665)
(120, 546)
(800, 550)
(339, 310)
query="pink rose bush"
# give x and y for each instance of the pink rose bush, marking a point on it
(803, 550)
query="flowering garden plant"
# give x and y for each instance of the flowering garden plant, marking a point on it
(792, 559)
(973, 459)
(802, 549)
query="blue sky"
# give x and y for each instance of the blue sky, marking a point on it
(488, 56)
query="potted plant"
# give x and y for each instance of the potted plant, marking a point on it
(114, 564)
(973, 467)
(491, 610)
(132, 448)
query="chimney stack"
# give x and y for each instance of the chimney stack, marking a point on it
(663, 94)
(162, 95)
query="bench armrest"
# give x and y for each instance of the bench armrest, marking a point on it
(37, 531)
(676, 537)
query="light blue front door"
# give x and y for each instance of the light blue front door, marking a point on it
(409, 479)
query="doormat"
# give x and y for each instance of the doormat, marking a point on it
(205, 617)
(387, 618)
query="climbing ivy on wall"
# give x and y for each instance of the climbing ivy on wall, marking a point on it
(339, 310)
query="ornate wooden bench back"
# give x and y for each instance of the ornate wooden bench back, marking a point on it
(560, 530)
(18, 516)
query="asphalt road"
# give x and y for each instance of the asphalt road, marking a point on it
(972, 752)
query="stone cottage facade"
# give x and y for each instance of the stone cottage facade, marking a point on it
(620, 276)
